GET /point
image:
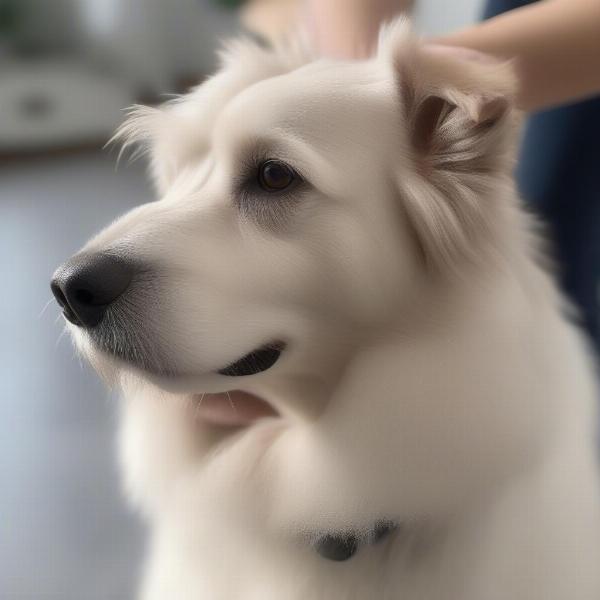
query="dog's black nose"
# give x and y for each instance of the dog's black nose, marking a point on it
(87, 284)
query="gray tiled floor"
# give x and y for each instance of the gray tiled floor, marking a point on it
(65, 532)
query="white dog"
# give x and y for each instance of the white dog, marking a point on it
(345, 374)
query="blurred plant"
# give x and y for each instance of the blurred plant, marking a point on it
(9, 18)
(230, 3)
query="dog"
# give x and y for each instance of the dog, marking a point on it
(346, 372)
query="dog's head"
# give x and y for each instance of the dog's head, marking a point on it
(305, 205)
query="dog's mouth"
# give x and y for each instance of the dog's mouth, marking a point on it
(254, 362)
(230, 408)
(235, 408)
(133, 349)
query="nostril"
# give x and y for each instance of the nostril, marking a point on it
(58, 294)
(84, 297)
(68, 311)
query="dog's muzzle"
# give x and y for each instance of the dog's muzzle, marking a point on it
(108, 296)
(116, 301)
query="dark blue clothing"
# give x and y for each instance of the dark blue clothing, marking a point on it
(559, 178)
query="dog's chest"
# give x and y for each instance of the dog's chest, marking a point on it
(221, 562)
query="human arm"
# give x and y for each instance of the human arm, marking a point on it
(555, 45)
(348, 28)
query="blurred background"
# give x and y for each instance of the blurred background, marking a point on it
(67, 69)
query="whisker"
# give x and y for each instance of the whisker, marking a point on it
(198, 405)
(60, 338)
(45, 307)
(231, 402)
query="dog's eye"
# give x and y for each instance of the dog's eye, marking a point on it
(275, 176)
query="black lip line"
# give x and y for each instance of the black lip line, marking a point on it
(254, 362)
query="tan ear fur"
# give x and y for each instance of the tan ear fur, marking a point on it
(459, 117)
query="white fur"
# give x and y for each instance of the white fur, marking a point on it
(431, 376)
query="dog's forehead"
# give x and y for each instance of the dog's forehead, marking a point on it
(318, 98)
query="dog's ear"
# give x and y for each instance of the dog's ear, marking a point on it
(456, 108)
(152, 132)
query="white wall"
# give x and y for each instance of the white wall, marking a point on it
(433, 17)
(153, 42)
